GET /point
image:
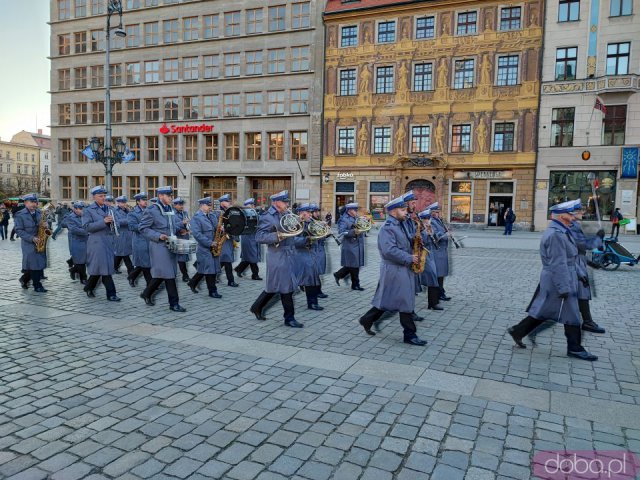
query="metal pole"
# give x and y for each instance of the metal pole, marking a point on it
(107, 107)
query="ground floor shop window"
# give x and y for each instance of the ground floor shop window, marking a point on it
(263, 188)
(215, 187)
(570, 185)
(379, 196)
(460, 202)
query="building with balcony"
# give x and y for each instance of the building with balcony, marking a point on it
(438, 96)
(212, 97)
(590, 108)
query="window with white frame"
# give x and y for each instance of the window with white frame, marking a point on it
(425, 27)
(349, 36)
(503, 136)
(621, 7)
(384, 79)
(275, 102)
(507, 70)
(346, 141)
(467, 23)
(464, 73)
(254, 62)
(420, 138)
(461, 138)
(422, 77)
(382, 140)
(386, 31)
(347, 82)
(510, 18)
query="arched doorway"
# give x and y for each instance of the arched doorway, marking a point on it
(425, 192)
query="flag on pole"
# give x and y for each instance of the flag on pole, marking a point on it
(128, 155)
(600, 106)
(87, 152)
(596, 183)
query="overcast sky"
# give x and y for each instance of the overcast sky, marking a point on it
(24, 67)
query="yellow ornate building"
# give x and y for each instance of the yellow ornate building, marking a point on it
(438, 96)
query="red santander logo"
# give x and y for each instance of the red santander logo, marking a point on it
(203, 128)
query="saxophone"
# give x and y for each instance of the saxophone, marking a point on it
(219, 238)
(418, 249)
(44, 232)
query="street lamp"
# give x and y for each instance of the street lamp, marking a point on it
(105, 155)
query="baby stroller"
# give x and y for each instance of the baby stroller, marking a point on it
(612, 254)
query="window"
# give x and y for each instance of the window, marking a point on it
(134, 186)
(387, 32)
(460, 201)
(211, 66)
(276, 146)
(190, 28)
(461, 139)
(64, 79)
(349, 36)
(171, 148)
(81, 143)
(263, 188)
(618, 58)
(80, 75)
(574, 184)
(133, 35)
(65, 150)
(503, 134)
(133, 73)
(384, 80)
(171, 70)
(82, 113)
(299, 142)
(171, 181)
(64, 9)
(190, 68)
(425, 28)
(83, 187)
(232, 65)
(299, 59)
(64, 114)
(232, 105)
(467, 23)
(562, 127)
(569, 11)
(510, 18)
(508, 70)
(152, 71)
(615, 124)
(299, 101)
(277, 60)
(300, 15)
(211, 26)
(211, 147)
(64, 44)
(566, 61)
(382, 140)
(65, 183)
(232, 24)
(131, 4)
(346, 141)
(191, 148)
(152, 109)
(254, 62)
(116, 186)
(254, 103)
(232, 146)
(254, 146)
(420, 139)
(170, 109)
(97, 7)
(133, 110)
(276, 18)
(98, 40)
(152, 186)
(151, 33)
(621, 7)
(97, 112)
(422, 77)
(170, 30)
(347, 82)
(190, 108)
(80, 41)
(464, 74)
(211, 104)
(81, 8)
(255, 18)
(275, 103)
(116, 111)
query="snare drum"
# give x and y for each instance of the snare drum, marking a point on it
(180, 246)
(240, 221)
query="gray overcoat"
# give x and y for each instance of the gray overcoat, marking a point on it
(352, 249)
(429, 276)
(27, 228)
(395, 290)
(583, 243)
(123, 241)
(442, 254)
(281, 275)
(251, 252)
(559, 254)
(179, 218)
(307, 267)
(154, 223)
(322, 255)
(203, 229)
(100, 251)
(139, 244)
(228, 253)
(78, 238)
(63, 224)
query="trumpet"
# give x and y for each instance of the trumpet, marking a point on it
(114, 224)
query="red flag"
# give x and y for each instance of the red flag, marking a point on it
(600, 106)
(596, 183)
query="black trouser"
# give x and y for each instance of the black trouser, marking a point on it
(172, 289)
(572, 332)
(406, 320)
(183, 269)
(228, 270)
(4, 231)
(26, 277)
(615, 228)
(285, 298)
(135, 273)
(80, 269)
(242, 266)
(312, 292)
(107, 281)
(35, 275)
(441, 283)
(585, 311)
(210, 278)
(433, 296)
(13, 232)
(127, 263)
(354, 272)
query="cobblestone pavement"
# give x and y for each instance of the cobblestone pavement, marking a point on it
(92, 389)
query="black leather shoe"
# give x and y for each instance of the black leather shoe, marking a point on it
(415, 341)
(256, 278)
(358, 287)
(83, 282)
(377, 325)
(435, 307)
(367, 328)
(185, 278)
(40, 289)
(583, 355)
(293, 323)
(72, 274)
(444, 297)
(193, 289)
(117, 272)
(24, 284)
(593, 327)
(417, 318)
(335, 275)
(114, 298)
(233, 284)
(90, 293)
(215, 295)
(44, 277)
(323, 295)
(518, 340)
(70, 262)
(258, 314)
(314, 306)
(177, 308)
(238, 272)
(147, 300)
(132, 282)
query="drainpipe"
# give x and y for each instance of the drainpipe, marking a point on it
(537, 133)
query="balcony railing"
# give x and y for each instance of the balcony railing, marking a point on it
(605, 84)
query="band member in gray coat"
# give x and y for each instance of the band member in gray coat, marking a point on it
(139, 244)
(203, 229)
(281, 258)
(124, 237)
(157, 225)
(556, 297)
(251, 252)
(395, 291)
(352, 248)
(227, 256)
(321, 249)
(78, 239)
(26, 223)
(182, 222)
(100, 252)
(411, 224)
(429, 276)
(442, 252)
(308, 268)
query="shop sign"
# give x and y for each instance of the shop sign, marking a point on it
(484, 175)
(344, 175)
(203, 128)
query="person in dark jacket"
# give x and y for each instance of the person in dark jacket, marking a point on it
(251, 252)
(14, 211)
(4, 222)
(123, 241)
(616, 216)
(27, 222)
(509, 218)
(227, 256)
(352, 247)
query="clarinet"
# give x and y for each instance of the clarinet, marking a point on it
(450, 233)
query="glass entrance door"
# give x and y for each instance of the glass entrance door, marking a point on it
(341, 201)
(497, 208)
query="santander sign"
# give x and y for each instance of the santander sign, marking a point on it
(203, 128)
